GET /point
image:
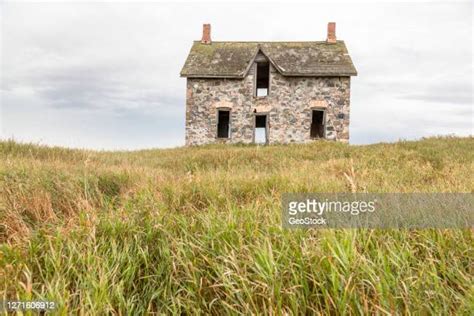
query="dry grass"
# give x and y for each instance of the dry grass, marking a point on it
(197, 230)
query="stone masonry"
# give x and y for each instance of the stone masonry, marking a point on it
(289, 105)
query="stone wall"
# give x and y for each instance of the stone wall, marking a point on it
(289, 104)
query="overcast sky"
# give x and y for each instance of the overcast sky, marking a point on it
(106, 75)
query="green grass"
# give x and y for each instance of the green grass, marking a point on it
(198, 230)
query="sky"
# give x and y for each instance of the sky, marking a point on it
(106, 75)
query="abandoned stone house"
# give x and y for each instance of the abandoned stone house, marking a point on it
(267, 92)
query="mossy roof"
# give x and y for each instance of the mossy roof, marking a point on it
(233, 59)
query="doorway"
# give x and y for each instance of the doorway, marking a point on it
(261, 129)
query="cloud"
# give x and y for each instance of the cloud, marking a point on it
(95, 75)
(457, 92)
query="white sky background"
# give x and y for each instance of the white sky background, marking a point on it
(106, 75)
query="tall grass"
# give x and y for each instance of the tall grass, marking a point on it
(197, 230)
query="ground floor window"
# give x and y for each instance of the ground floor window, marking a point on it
(317, 124)
(223, 123)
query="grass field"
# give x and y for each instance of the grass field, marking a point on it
(198, 230)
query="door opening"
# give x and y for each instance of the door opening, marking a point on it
(317, 124)
(260, 136)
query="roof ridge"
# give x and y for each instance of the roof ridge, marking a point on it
(233, 59)
(257, 42)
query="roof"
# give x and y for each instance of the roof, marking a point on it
(233, 59)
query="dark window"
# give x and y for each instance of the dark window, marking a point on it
(261, 136)
(317, 124)
(263, 79)
(223, 119)
(261, 121)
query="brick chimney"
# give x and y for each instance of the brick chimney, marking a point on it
(331, 32)
(206, 34)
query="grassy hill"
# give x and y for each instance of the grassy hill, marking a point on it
(198, 230)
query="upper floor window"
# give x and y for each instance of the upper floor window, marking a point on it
(263, 79)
